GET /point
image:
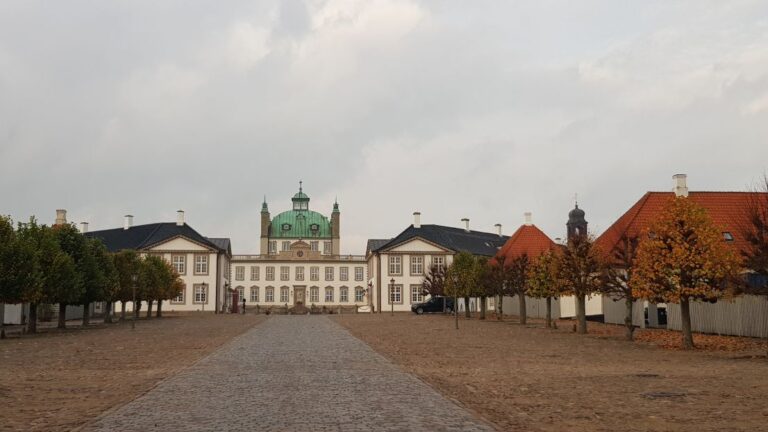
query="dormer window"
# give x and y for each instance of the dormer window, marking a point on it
(314, 227)
(728, 236)
(286, 227)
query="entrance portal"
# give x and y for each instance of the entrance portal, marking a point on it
(299, 295)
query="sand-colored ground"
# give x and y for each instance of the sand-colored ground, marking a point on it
(60, 380)
(531, 378)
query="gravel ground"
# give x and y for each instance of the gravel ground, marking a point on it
(531, 378)
(59, 380)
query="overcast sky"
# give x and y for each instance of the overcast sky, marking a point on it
(481, 109)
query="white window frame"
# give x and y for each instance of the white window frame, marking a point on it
(255, 273)
(314, 294)
(181, 298)
(240, 293)
(417, 265)
(201, 264)
(343, 273)
(343, 295)
(395, 292)
(329, 294)
(240, 273)
(327, 248)
(359, 294)
(359, 273)
(285, 273)
(179, 264)
(284, 294)
(438, 261)
(314, 273)
(200, 294)
(269, 294)
(417, 294)
(272, 247)
(254, 294)
(286, 246)
(270, 273)
(329, 273)
(300, 273)
(314, 245)
(395, 265)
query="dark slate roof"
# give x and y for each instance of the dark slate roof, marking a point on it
(142, 236)
(455, 239)
(222, 243)
(374, 244)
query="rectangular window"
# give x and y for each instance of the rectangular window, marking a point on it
(327, 248)
(329, 273)
(254, 273)
(201, 293)
(417, 294)
(395, 265)
(201, 264)
(269, 295)
(179, 299)
(314, 273)
(284, 295)
(314, 294)
(359, 294)
(179, 264)
(439, 262)
(240, 293)
(344, 273)
(359, 273)
(344, 295)
(313, 245)
(329, 295)
(254, 294)
(240, 273)
(270, 273)
(395, 294)
(273, 247)
(299, 273)
(285, 273)
(286, 245)
(417, 265)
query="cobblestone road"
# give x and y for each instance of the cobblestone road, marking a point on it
(292, 373)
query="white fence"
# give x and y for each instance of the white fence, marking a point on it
(743, 316)
(615, 311)
(534, 307)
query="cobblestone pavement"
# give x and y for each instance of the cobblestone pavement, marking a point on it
(292, 373)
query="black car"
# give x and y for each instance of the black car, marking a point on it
(433, 305)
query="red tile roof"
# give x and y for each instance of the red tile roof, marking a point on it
(727, 210)
(528, 239)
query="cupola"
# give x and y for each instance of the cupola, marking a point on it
(300, 200)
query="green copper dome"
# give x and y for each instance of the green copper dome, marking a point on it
(304, 224)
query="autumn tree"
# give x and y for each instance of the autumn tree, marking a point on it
(542, 281)
(461, 279)
(579, 269)
(617, 273)
(497, 282)
(519, 268)
(434, 281)
(755, 232)
(683, 259)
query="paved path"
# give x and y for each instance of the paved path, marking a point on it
(292, 373)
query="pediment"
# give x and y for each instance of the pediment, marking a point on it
(418, 244)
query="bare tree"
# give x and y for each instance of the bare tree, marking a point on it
(617, 274)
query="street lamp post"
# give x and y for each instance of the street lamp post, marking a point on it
(392, 295)
(205, 295)
(135, 314)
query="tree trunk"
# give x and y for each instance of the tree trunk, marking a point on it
(108, 312)
(122, 310)
(149, 309)
(549, 312)
(86, 314)
(32, 322)
(482, 308)
(628, 319)
(523, 311)
(500, 316)
(685, 317)
(62, 316)
(159, 313)
(467, 312)
(581, 314)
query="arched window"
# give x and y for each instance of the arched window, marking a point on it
(269, 294)
(314, 294)
(359, 294)
(240, 293)
(284, 294)
(254, 294)
(344, 294)
(329, 294)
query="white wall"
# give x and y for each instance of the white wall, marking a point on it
(534, 307)
(743, 316)
(615, 311)
(568, 306)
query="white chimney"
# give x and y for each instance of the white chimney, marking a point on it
(83, 227)
(61, 217)
(528, 218)
(128, 222)
(416, 220)
(681, 185)
(466, 224)
(180, 217)
(498, 229)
